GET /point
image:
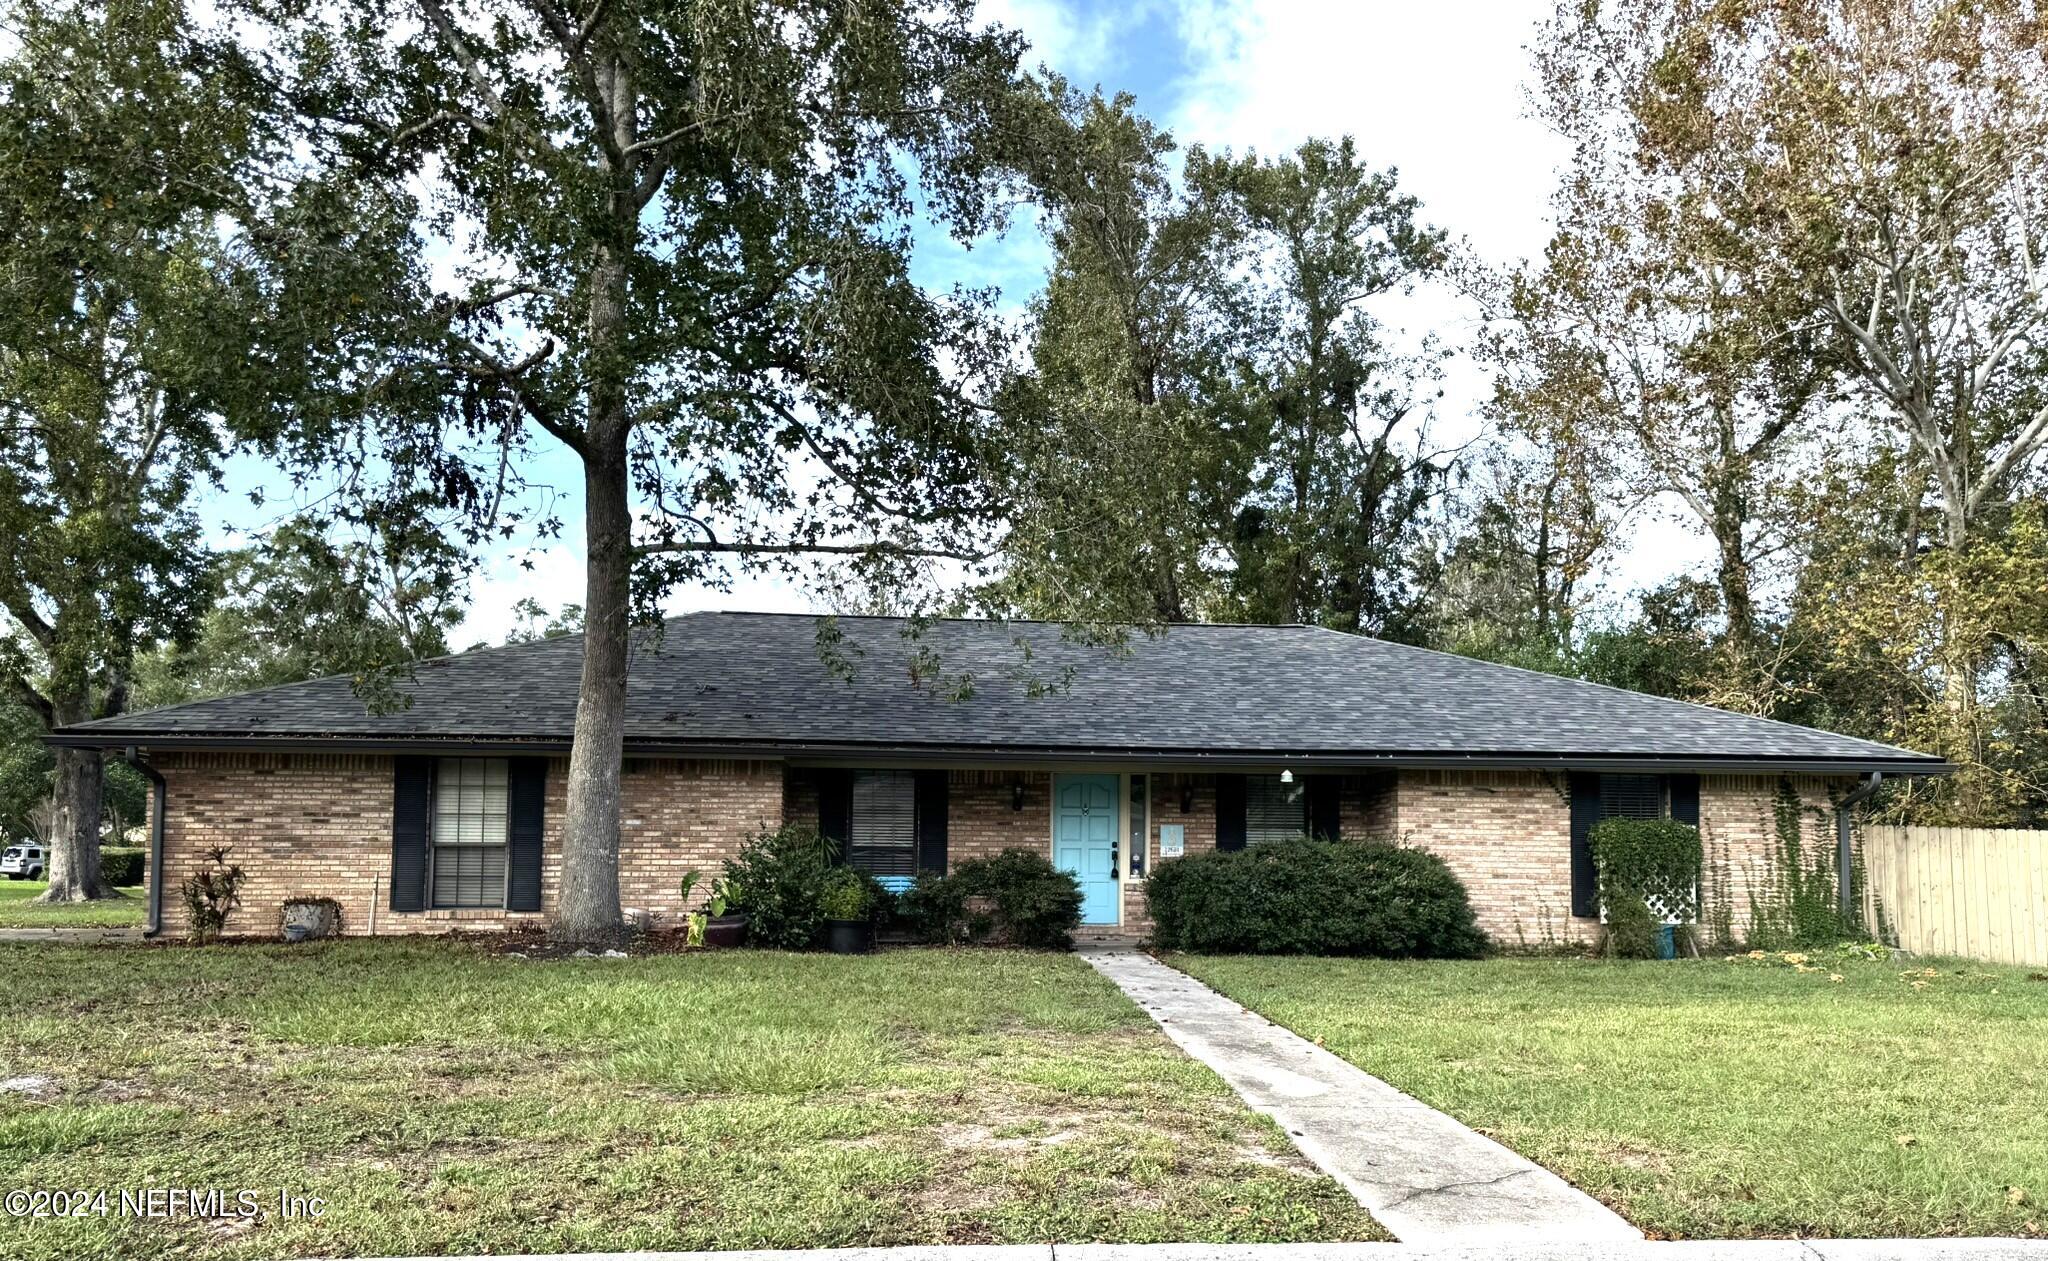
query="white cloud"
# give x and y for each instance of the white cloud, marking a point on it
(1084, 45)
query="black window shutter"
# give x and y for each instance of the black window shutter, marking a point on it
(1685, 798)
(1325, 806)
(526, 795)
(1230, 812)
(1585, 813)
(835, 807)
(411, 787)
(931, 821)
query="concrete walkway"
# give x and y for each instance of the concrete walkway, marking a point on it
(1427, 1178)
(1636, 1250)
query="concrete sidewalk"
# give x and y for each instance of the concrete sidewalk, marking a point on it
(1426, 1177)
(1637, 1250)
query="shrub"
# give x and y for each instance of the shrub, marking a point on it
(211, 894)
(778, 879)
(1631, 927)
(1316, 898)
(853, 895)
(935, 909)
(1015, 897)
(121, 865)
(1652, 860)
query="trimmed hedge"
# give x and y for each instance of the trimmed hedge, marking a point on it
(1015, 897)
(121, 865)
(1314, 898)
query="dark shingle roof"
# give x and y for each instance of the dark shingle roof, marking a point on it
(750, 681)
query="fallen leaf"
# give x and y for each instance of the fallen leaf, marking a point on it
(2015, 1196)
(1906, 1140)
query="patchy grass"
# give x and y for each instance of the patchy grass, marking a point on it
(444, 1099)
(1714, 1099)
(17, 909)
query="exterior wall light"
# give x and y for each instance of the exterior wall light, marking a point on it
(1286, 776)
(1017, 796)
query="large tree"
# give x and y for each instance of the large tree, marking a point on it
(1872, 177)
(126, 139)
(1122, 466)
(312, 599)
(1347, 477)
(1653, 336)
(682, 236)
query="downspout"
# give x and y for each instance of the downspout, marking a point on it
(153, 921)
(1845, 872)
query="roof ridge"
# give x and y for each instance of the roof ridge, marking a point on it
(1027, 621)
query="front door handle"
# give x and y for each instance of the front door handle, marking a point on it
(1115, 866)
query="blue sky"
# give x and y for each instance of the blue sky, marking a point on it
(1434, 90)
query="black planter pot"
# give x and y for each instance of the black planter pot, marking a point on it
(849, 936)
(725, 931)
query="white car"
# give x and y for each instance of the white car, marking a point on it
(22, 862)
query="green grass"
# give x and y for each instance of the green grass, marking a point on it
(1710, 1098)
(443, 1099)
(18, 911)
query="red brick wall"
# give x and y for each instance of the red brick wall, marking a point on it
(319, 825)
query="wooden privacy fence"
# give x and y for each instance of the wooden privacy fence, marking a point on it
(1981, 893)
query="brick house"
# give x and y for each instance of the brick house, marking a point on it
(919, 746)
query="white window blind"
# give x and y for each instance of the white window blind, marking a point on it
(882, 838)
(471, 799)
(1274, 811)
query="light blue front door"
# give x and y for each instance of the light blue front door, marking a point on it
(1084, 811)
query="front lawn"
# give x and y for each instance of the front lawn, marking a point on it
(443, 1099)
(1709, 1098)
(18, 911)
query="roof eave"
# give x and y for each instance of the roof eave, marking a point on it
(825, 752)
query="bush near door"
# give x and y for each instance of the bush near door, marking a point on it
(1313, 898)
(1016, 898)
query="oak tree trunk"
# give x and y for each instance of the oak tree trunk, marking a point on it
(587, 903)
(74, 859)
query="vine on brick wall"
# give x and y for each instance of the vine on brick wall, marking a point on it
(1794, 902)
(1717, 896)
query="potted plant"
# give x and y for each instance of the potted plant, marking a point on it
(848, 904)
(713, 926)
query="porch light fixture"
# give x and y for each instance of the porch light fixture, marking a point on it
(1187, 797)
(1016, 796)
(1286, 776)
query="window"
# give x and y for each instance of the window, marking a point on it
(1274, 811)
(1632, 797)
(470, 800)
(882, 834)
